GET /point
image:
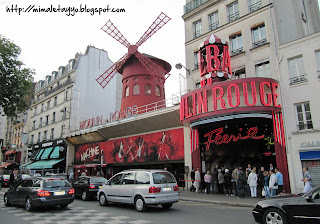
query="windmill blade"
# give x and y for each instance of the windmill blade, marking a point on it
(155, 26)
(105, 78)
(113, 31)
(153, 68)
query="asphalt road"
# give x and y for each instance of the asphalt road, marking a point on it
(91, 212)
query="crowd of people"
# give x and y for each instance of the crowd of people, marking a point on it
(237, 182)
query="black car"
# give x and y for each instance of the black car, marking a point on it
(5, 180)
(87, 187)
(39, 192)
(284, 209)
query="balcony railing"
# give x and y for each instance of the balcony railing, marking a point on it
(307, 126)
(233, 17)
(298, 79)
(259, 43)
(197, 33)
(193, 5)
(255, 6)
(214, 26)
(237, 51)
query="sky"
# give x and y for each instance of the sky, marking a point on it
(49, 40)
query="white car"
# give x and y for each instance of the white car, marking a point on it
(141, 188)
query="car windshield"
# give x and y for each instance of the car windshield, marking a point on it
(163, 178)
(53, 183)
(95, 180)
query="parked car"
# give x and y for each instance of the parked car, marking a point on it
(57, 175)
(87, 186)
(23, 176)
(289, 208)
(5, 180)
(141, 188)
(39, 192)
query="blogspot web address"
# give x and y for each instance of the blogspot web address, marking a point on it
(69, 11)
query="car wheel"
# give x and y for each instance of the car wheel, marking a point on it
(103, 200)
(6, 200)
(64, 205)
(166, 206)
(140, 204)
(273, 215)
(84, 195)
(29, 206)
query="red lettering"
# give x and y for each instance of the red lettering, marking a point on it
(275, 95)
(182, 109)
(236, 93)
(226, 60)
(194, 104)
(215, 98)
(202, 102)
(212, 58)
(202, 83)
(253, 93)
(263, 94)
(186, 108)
(202, 63)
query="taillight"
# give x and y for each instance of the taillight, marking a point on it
(153, 190)
(71, 191)
(175, 188)
(43, 193)
(92, 186)
(5, 179)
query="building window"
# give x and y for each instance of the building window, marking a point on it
(39, 135)
(197, 29)
(240, 73)
(64, 113)
(33, 125)
(35, 111)
(296, 71)
(158, 93)
(304, 116)
(259, 36)
(48, 105)
(254, 5)
(147, 89)
(236, 44)
(62, 130)
(263, 69)
(214, 21)
(126, 91)
(32, 139)
(42, 107)
(318, 63)
(147, 79)
(66, 96)
(54, 117)
(136, 90)
(52, 133)
(196, 59)
(233, 12)
(136, 79)
(45, 135)
(47, 120)
(40, 123)
(55, 102)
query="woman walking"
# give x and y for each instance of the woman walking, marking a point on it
(207, 180)
(220, 182)
(266, 184)
(307, 180)
(252, 181)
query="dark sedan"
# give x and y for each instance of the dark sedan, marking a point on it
(289, 209)
(5, 180)
(87, 187)
(39, 192)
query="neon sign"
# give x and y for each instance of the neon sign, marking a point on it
(217, 137)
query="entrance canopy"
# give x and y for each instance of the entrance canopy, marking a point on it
(43, 164)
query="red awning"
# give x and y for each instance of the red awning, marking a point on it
(5, 165)
(9, 152)
(86, 165)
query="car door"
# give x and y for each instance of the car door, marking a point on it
(308, 209)
(76, 186)
(112, 188)
(22, 191)
(126, 188)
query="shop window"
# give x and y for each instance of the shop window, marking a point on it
(304, 116)
(233, 12)
(259, 36)
(236, 44)
(147, 89)
(296, 71)
(158, 91)
(126, 91)
(214, 21)
(197, 29)
(136, 90)
(263, 69)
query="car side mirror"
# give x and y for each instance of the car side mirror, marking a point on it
(308, 199)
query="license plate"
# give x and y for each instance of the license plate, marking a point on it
(59, 192)
(166, 189)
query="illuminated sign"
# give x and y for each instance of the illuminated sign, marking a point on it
(217, 137)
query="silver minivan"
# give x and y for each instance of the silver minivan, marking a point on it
(141, 188)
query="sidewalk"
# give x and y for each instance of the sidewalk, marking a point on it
(220, 199)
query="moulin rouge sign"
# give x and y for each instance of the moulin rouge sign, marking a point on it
(219, 95)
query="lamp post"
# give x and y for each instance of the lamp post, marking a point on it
(189, 76)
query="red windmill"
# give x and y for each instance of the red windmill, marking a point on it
(138, 70)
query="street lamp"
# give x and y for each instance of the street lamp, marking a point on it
(180, 66)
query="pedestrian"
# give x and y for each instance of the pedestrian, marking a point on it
(197, 180)
(273, 185)
(234, 176)
(307, 180)
(261, 181)
(270, 166)
(228, 183)
(101, 173)
(192, 175)
(248, 171)
(241, 183)
(222, 170)
(266, 184)
(279, 181)
(220, 182)
(252, 180)
(214, 180)
(13, 178)
(83, 173)
(71, 176)
(207, 180)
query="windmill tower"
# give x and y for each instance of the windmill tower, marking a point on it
(143, 76)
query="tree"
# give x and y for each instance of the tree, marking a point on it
(15, 80)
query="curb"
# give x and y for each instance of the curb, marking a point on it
(235, 204)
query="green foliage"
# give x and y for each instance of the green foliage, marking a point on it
(15, 79)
